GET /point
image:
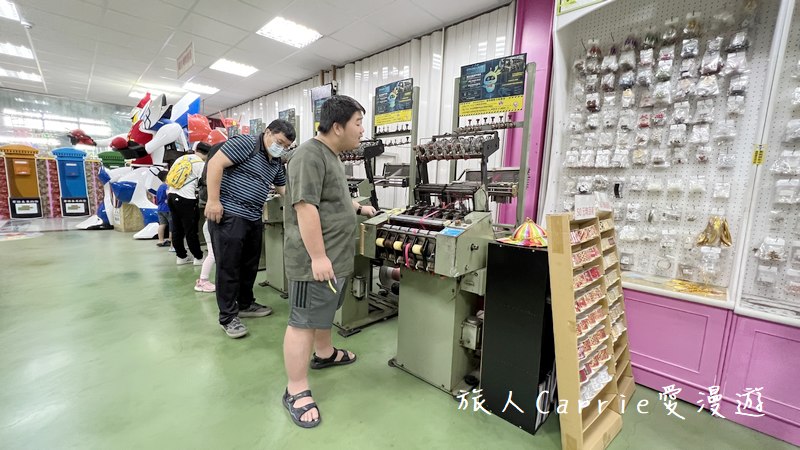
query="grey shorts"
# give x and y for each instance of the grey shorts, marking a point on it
(163, 218)
(312, 304)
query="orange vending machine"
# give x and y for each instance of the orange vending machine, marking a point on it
(23, 184)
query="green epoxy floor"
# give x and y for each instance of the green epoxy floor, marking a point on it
(104, 344)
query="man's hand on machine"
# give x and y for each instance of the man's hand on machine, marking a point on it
(368, 211)
(214, 211)
(322, 269)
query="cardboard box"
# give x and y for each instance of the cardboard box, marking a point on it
(127, 219)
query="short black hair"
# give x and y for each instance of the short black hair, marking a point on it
(337, 109)
(282, 126)
(162, 175)
(202, 148)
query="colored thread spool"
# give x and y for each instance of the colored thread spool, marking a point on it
(398, 245)
(417, 249)
(379, 242)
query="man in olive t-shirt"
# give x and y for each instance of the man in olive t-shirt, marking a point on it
(319, 249)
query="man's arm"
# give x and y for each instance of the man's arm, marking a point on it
(281, 190)
(366, 210)
(311, 234)
(213, 181)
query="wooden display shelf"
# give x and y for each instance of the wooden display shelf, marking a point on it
(596, 425)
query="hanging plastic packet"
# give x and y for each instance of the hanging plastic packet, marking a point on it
(690, 48)
(707, 86)
(794, 254)
(644, 120)
(578, 90)
(664, 70)
(680, 155)
(642, 137)
(787, 164)
(726, 160)
(722, 189)
(628, 98)
(701, 134)
(606, 139)
(600, 183)
(735, 64)
(655, 185)
(681, 113)
(579, 66)
(697, 185)
(627, 59)
(692, 27)
(610, 62)
(627, 120)
(625, 138)
(662, 93)
(592, 82)
(621, 158)
(767, 276)
(570, 185)
(646, 58)
(777, 219)
(644, 77)
(670, 34)
(702, 154)
(667, 53)
(792, 278)
(593, 102)
(575, 123)
(689, 68)
(725, 130)
(651, 39)
(704, 113)
(660, 160)
(675, 185)
(640, 156)
(636, 183)
(593, 121)
(608, 83)
(610, 118)
(609, 100)
(739, 42)
(627, 79)
(659, 117)
(572, 159)
(792, 131)
(634, 213)
(772, 250)
(603, 159)
(786, 191)
(593, 55)
(587, 157)
(738, 85)
(646, 100)
(685, 88)
(584, 185)
(677, 135)
(712, 59)
(591, 140)
(657, 136)
(736, 105)
(629, 233)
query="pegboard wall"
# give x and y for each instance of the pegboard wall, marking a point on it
(677, 197)
(769, 285)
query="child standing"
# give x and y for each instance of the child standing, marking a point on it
(164, 217)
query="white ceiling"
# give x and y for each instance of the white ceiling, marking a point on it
(100, 50)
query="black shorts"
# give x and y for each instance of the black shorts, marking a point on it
(312, 304)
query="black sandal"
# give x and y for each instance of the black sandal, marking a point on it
(319, 363)
(297, 413)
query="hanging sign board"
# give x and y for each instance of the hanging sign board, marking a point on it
(565, 6)
(393, 102)
(185, 60)
(318, 96)
(289, 116)
(494, 86)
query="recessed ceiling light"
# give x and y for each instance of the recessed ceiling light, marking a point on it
(232, 67)
(8, 10)
(288, 32)
(21, 51)
(200, 88)
(27, 76)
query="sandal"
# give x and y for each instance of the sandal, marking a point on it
(297, 413)
(319, 363)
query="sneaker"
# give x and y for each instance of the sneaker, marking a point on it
(182, 261)
(204, 286)
(235, 328)
(172, 249)
(162, 244)
(255, 310)
(198, 262)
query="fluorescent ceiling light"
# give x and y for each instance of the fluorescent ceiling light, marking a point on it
(200, 88)
(138, 95)
(21, 51)
(288, 32)
(27, 76)
(232, 67)
(8, 10)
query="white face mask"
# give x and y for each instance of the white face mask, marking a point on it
(275, 150)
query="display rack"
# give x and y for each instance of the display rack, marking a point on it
(594, 373)
(402, 135)
(771, 278)
(675, 200)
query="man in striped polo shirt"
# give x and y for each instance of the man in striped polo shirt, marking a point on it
(239, 177)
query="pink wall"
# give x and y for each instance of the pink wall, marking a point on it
(533, 35)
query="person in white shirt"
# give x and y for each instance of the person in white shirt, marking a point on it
(182, 203)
